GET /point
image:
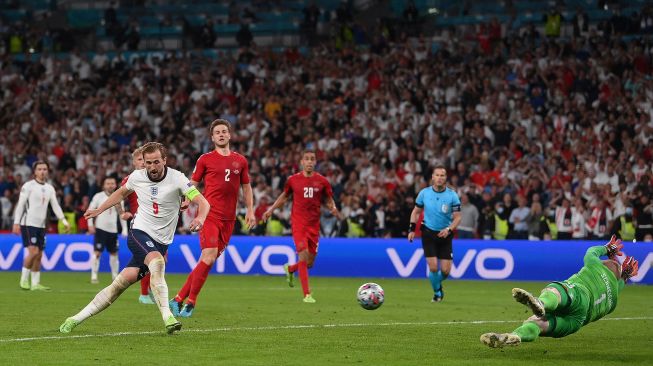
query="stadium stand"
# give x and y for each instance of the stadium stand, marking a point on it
(513, 104)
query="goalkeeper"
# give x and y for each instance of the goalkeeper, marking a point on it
(564, 307)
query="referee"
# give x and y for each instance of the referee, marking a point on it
(441, 206)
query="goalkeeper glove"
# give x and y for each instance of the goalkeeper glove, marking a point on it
(629, 268)
(613, 247)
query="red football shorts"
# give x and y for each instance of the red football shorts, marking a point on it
(306, 237)
(216, 234)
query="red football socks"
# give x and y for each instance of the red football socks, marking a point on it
(200, 273)
(303, 276)
(185, 289)
(292, 268)
(145, 285)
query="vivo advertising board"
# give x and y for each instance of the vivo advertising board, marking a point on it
(339, 257)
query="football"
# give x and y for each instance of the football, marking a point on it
(370, 296)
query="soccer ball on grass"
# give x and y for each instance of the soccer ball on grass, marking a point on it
(370, 296)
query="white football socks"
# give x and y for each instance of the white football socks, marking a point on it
(24, 274)
(36, 278)
(114, 264)
(95, 267)
(159, 286)
(103, 299)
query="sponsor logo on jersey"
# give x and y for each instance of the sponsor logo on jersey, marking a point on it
(189, 184)
(149, 244)
(606, 282)
(236, 171)
(154, 190)
(445, 208)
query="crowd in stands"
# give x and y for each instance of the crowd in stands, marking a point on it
(542, 137)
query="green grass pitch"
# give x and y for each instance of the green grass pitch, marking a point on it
(258, 320)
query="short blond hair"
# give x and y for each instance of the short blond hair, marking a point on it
(138, 151)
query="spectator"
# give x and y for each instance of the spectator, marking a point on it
(410, 13)
(600, 221)
(244, 36)
(563, 216)
(644, 210)
(536, 221)
(552, 23)
(6, 207)
(468, 226)
(519, 219)
(311, 18)
(624, 226)
(207, 35)
(580, 23)
(579, 225)
(111, 19)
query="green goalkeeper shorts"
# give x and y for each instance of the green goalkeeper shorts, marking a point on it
(568, 318)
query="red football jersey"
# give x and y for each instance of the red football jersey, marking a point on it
(308, 193)
(222, 177)
(132, 199)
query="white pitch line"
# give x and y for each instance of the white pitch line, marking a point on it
(284, 327)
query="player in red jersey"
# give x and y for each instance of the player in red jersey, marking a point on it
(309, 190)
(132, 203)
(224, 172)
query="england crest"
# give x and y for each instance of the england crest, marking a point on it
(154, 190)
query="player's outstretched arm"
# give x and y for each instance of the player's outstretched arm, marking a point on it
(117, 196)
(593, 254)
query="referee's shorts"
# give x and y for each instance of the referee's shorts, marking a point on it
(435, 246)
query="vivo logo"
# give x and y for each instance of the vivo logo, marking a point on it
(244, 263)
(49, 262)
(457, 271)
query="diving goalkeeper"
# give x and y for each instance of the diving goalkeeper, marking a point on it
(564, 307)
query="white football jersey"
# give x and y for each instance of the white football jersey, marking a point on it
(107, 220)
(158, 202)
(32, 206)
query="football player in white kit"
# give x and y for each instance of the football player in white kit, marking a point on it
(29, 221)
(105, 228)
(160, 190)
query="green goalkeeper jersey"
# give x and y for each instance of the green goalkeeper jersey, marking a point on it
(599, 283)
